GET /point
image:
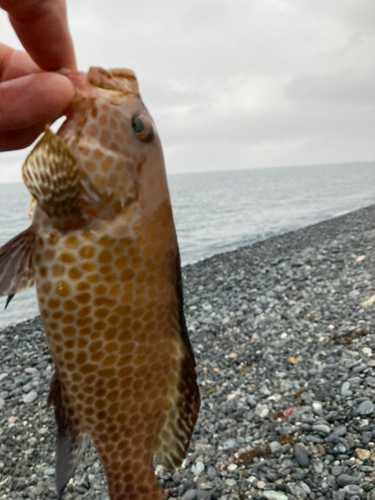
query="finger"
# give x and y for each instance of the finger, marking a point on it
(19, 139)
(33, 99)
(15, 63)
(42, 27)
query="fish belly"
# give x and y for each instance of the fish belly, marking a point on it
(109, 309)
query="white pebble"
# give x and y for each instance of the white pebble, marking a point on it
(232, 467)
(317, 407)
(197, 469)
(274, 495)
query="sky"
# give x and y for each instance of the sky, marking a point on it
(237, 84)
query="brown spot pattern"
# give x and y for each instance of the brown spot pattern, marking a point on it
(129, 373)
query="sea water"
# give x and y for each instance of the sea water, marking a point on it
(219, 211)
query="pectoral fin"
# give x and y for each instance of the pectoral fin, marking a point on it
(51, 175)
(70, 443)
(17, 264)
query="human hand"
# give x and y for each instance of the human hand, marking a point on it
(29, 96)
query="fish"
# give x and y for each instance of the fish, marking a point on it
(102, 252)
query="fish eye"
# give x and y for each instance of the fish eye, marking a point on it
(143, 128)
(138, 125)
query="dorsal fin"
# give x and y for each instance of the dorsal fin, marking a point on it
(183, 399)
(17, 264)
(51, 175)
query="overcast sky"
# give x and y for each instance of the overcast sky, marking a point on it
(236, 84)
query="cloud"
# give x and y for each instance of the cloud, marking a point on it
(239, 84)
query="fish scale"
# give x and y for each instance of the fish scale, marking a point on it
(108, 281)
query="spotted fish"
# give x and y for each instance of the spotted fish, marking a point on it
(103, 254)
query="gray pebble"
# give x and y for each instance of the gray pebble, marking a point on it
(230, 443)
(49, 472)
(286, 430)
(336, 470)
(318, 466)
(27, 387)
(338, 495)
(204, 494)
(30, 397)
(359, 368)
(275, 446)
(345, 479)
(365, 408)
(324, 429)
(340, 430)
(305, 487)
(190, 495)
(331, 480)
(301, 455)
(298, 475)
(177, 478)
(353, 489)
(211, 472)
(366, 437)
(285, 448)
(345, 389)
(2, 403)
(296, 490)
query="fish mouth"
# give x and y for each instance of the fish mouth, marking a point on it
(121, 81)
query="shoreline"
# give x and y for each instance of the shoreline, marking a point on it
(286, 372)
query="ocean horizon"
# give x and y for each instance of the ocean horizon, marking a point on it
(219, 211)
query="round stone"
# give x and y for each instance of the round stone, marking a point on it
(336, 470)
(301, 455)
(346, 479)
(362, 454)
(365, 408)
(30, 397)
(190, 495)
(352, 489)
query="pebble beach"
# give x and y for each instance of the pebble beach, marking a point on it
(285, 348)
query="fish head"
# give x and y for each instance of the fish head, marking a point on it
(114, 139)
